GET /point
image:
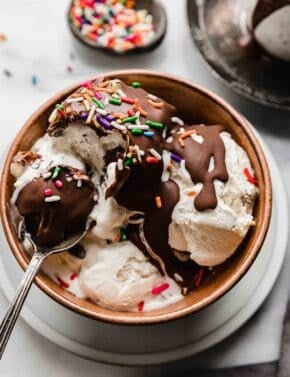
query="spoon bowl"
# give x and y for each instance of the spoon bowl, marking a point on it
(159, 20)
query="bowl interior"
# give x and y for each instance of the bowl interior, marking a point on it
(195, 105)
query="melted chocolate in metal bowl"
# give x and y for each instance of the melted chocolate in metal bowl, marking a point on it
(231, 52)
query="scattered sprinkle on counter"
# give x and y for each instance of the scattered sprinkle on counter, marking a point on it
(7, 73)
(34, 80)
(3, 37)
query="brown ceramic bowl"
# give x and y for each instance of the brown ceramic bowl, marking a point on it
(196, 105)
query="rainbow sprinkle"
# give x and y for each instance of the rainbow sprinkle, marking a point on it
(58, 184)
(47, 192)
(152, 160)
(199, 277)
(158, 202)
(56, 172)
(136, 84)
(141, 306)
(161, 288)
(3, 37)
(250, 177)
(61, 282)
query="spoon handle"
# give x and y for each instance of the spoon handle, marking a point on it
(15, 306)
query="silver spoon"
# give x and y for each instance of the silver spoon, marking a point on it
(40, 253)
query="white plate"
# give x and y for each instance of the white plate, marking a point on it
(165, 342)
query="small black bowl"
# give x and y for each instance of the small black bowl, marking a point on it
(159, 19)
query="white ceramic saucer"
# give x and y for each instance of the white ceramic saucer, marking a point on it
(166, 342)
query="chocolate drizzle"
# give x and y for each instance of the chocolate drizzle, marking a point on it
(197, 157)
(51, 222)
(152, 238)
(136, 189)
(138, 185)
(264, 8)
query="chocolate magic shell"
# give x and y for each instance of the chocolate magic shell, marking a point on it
(56, 205)
(158, 132)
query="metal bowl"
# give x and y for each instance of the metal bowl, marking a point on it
(219, 28)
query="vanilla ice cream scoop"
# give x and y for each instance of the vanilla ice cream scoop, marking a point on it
(118, 276)
(212, 236)
(271, 27)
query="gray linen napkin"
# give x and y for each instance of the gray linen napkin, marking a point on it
(274, 369)
(258, 370)
(284, 362)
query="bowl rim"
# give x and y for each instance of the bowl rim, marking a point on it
(120, 317)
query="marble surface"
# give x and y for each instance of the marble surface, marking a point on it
(39, 44)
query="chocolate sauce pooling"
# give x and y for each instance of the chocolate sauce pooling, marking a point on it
(197, 158)
(49, 223)
(264, 8)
